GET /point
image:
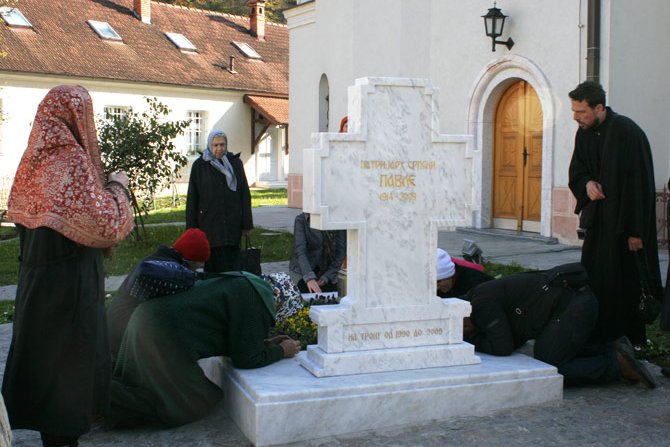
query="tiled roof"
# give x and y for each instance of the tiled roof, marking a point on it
(62, 43)
(273, 109)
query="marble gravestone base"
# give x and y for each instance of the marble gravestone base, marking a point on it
(284, 402)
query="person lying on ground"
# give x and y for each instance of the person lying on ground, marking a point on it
(557, 310)
(190, 250)
(157, 378)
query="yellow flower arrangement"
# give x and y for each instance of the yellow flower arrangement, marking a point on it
(298, 327)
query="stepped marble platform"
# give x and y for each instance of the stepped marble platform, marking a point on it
(284, 402)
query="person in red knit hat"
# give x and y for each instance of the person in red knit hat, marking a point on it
(193, 247)
(188, 253)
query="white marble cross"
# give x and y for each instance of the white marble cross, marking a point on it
(390, 182)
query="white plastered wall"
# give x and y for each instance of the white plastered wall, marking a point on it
(21, 94)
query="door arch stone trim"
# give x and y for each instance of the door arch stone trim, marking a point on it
(485, 94)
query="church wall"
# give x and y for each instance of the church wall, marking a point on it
(638, 84)
(444, 40)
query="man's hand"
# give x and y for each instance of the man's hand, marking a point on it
(594, 190)
(246, 232)
(313, 286)
(635, 244)
(291, 347)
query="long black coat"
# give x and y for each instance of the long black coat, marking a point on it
(58, 367)
(512, 310)
(617, 155)
(665, 315)
(212, 207)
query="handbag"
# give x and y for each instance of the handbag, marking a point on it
(648, 306)
(250, 258)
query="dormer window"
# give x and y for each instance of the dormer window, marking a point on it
(13, 17)
(247, 50)
(181, 42)
(104, 30)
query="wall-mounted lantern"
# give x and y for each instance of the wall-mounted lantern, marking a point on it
(494, 22)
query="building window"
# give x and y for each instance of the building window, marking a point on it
(194, 137)
(116, 112)
(181, 42)
(13, 17)
(246, 49)
(324, 103)
(104, 30)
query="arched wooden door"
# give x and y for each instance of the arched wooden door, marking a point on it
(517, 160)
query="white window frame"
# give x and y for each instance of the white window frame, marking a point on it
(14, 17)
(195, 132)
(112, 112)
(181, 42)
(247, 50)
(104, 30)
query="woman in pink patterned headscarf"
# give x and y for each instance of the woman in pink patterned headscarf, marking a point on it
(66, 212)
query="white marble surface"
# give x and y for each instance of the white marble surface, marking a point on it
(322, 364)
(390, 182)
(284, 403)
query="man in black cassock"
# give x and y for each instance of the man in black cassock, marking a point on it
(612, 179)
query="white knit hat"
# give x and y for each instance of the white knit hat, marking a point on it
(445, 266)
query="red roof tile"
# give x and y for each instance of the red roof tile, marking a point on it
(273, 109)
(62, 43)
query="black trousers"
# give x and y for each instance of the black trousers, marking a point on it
(567, 342)
(224, 258)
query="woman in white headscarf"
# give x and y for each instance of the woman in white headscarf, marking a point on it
(219, 202)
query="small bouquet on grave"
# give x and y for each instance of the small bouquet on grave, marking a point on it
(299, 326)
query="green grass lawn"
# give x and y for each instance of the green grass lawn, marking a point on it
(165, 212)
(7, 232)
(9, 263)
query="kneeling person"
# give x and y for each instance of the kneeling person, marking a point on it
(560, 316)
(191, 250)
(157, 377)
(455, 280)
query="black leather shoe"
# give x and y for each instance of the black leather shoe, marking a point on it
(631, 368)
